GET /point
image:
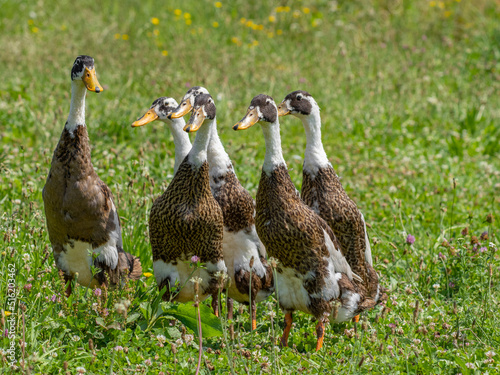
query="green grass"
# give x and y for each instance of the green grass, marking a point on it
(410, 104)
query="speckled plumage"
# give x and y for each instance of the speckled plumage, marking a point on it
(79, 207)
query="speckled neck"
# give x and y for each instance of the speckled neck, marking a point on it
(274, 154)
(181, 141)
(76, 115)
(315, 155)
(198, 154)
(218, 159)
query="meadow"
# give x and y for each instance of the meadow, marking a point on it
(409, 97)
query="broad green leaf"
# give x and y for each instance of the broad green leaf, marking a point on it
(187, 315)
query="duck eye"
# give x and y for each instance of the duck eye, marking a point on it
(299, 97)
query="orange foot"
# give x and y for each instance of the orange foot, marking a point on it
(288, 327)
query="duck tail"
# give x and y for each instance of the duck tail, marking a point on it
(130, 264)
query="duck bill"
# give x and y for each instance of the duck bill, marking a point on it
(195, 121)
(250, 119)
(150, 116)
(182, 109)
(283, 110)
(90, 80)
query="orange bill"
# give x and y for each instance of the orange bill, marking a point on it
(283, 110)
(182, 109)
(250, 119)
(90, 80)
(148, 117)
(195, 121)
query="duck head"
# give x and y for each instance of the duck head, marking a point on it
(298, 103)
(203, 109)
(261, 109)
(187, 101)
(159, 110)
(84, 70)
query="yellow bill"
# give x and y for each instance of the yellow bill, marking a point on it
(195, 121)
(90, 80)
(283, 110)
(250, 119)
(149, 116)
(182, 109)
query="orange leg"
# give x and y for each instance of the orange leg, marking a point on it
(320, 332)
(253, 314)
(215, 304)
(288, 327)
(356, 319)
(230, 317)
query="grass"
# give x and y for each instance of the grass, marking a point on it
(411, 121)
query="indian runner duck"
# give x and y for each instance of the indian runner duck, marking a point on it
(312, 274)
(244, 254)
(323, 192)
(82, 220)
(186, 220)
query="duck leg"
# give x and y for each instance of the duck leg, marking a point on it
(356, 319)
(253, 313)
(320, 332)
(288, 327)
(215, 304)
(230, 317)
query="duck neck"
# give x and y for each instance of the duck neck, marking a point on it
(76, 115)
(198, 154)
(274, 155)
(181, 141)
(315, 155)
(218, 159)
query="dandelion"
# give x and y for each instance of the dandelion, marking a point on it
(410, 240)
(441, 4)
(447, 13)
(432, 4)
(255, 43)
(306, 10)
(178, 12)
(235, 40)
(155, 21)
(215, 24)
(243, 20)
(189, 21)
(218, 4)
(272, 19)
(147, 274)
(7, 313)
(97, 292)
(125, 37)
(164, 53)
(187, 15)
(35, 29)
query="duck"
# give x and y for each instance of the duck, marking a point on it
(251, 277)
(82, 220)
(312, 274)
(323, 192)
(186, 222)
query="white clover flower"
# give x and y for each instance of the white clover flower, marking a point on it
(75, 338)
(81, 370)
(470, 365)
(161, 338)
(436, 286)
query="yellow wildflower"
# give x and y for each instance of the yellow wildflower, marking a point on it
(441, 4)
(296, 14)
(270, 34)
(149, 274)
(243, 20)
(164, 53)
(177, 12)
(7, 313)
(35, 29)
(187, 15)
(63, 27)
(249, 23)
(218, 4)
(306, 10)
(272, 19)
(4, 253)
(155, 21)
(31, 22)
(255, 43)
(117, 36)
(447, 13)
(286, 9)
(279, 32)
(255, 26)
(189, 21)
(432, 4)
(215, 24)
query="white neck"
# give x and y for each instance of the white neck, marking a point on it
(198, 154)
(274, 155)
(218, 159)
(77, 109)
(181, 140)
(315, 155)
